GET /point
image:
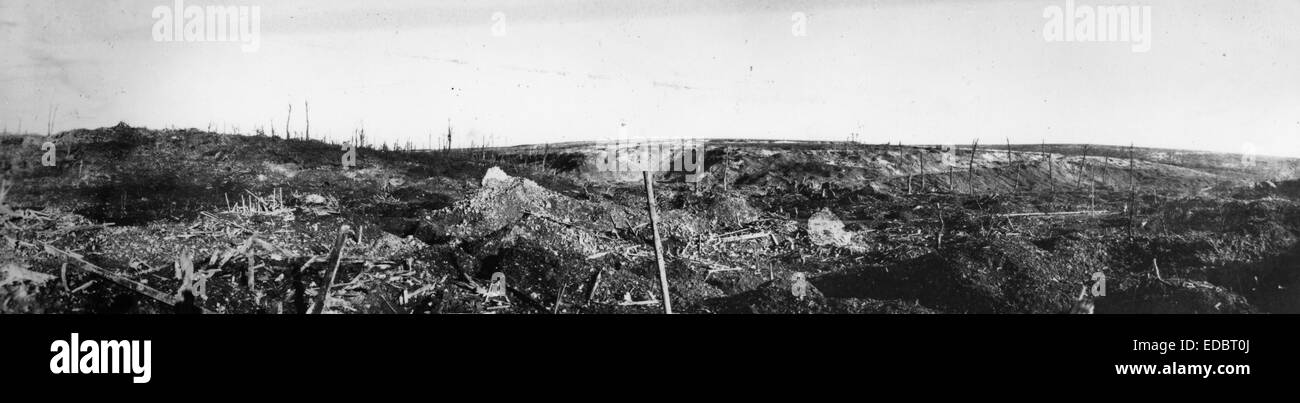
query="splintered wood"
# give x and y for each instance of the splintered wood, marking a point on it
(737, 238)
(336, 253)
(133, 285)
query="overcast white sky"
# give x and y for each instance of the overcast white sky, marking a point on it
(1219, 73)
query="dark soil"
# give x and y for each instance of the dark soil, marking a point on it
(920, 233)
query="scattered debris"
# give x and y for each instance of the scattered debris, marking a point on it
(799, 285)
(497, 287)
(113, 277)
(336, 254)
(259, 220)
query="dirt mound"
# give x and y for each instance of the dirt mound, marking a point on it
(505, 202)
(112, 141)
(892, 229)
(493, 176)
(539, 275)
(514, 206)
(1290, 188)
(782, 296)
(901, 169)
(1000, 276)
(871, 306)
(1226, 215)
(393, 247)
(1173, 296)
(535, 236)
(776, 296)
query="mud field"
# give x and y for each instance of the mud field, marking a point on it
(133, 220)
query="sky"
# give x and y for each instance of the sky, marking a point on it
(1219, 74)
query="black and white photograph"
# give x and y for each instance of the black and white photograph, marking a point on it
(618, 157)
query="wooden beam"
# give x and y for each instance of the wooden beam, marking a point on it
(1060, 213)
(659, 249)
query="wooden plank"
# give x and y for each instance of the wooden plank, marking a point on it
(1056, 213)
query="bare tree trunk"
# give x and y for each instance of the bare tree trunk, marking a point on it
(1011, 162)
(970, 168)
(49, 127)
(307, 115)
(286, 122)
(951, 189)
(1051, 181)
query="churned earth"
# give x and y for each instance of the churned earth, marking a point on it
(133, 220)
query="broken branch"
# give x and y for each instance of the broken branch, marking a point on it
(133, 285)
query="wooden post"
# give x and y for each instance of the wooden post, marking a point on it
(335, 256)
(1011, 162)
(49, 126)
(1092, 195)
(970, 168)
(654, 228)
(924, 151)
